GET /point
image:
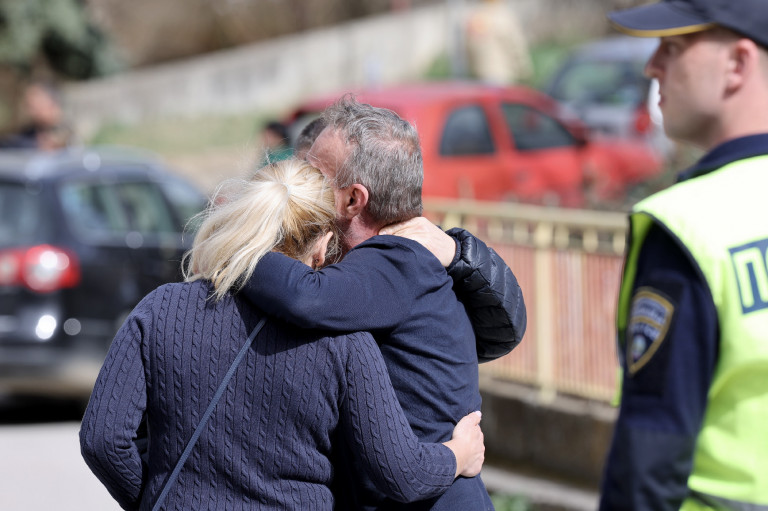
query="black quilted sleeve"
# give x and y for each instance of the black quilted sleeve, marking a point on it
(489, 290)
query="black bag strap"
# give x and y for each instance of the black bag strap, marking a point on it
(199, 429)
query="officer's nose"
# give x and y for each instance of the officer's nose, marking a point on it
(653, 67)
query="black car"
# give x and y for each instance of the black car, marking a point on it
(84, 235)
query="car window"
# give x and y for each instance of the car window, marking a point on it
(22, 219)
(604, 82)
(466, 132)
(96, 209)
(186, 200)
(145, 208)
(532, 129)
(92, 209)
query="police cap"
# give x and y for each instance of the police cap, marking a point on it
(676, 17)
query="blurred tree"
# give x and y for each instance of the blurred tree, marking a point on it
(50, 39)
(58, 34)
(149, 32)
(141, 28)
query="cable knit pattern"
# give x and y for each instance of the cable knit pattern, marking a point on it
(394, 288)
(270, 440)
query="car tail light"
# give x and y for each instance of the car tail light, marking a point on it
(42, 268)
(642, 120)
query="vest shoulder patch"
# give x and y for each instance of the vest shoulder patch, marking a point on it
(649, 319)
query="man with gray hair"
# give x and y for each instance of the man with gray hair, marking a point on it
(373, 158)
(398, 290)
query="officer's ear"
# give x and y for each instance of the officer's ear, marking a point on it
(744, 59)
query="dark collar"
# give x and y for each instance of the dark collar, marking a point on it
(728, 152)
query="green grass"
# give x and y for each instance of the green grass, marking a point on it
(184, 135)
(545, 58)
(510, 503)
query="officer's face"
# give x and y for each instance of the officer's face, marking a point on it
(691, 70)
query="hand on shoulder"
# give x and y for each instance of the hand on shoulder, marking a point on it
(426, 233)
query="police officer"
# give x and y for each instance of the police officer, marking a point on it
(692, 431)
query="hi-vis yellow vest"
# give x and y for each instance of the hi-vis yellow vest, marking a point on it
(722, 220)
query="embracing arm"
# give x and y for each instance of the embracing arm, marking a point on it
(368, 290)
(114, 413)
(482, 281)
(382, 440)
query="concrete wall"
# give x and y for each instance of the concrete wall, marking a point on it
(554, 437)
(268, 76)
(274, 75)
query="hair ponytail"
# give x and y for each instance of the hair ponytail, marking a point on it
(285, 206)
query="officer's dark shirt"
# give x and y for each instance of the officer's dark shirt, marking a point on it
(663, 403)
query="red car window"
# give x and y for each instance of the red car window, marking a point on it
(466, 132)
(532, 130)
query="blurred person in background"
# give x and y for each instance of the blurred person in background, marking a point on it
(693, 306)
(397, 289)
(307, 137)
(298, 393)
(496, 47)
(275, 143)
(44, 127)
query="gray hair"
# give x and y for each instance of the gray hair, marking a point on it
(384, 156)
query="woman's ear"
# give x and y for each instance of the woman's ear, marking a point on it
(320, 249)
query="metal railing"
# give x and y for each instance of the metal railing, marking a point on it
(568, 263)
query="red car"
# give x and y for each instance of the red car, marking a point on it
(505, 143)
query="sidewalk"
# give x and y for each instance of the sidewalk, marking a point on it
(47, 455)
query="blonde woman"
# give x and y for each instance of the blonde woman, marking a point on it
(295, 396)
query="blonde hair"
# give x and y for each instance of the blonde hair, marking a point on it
(285, 206)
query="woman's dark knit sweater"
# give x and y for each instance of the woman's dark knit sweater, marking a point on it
(396, 289)
(271, 439)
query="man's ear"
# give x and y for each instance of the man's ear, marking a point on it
(355, 200)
